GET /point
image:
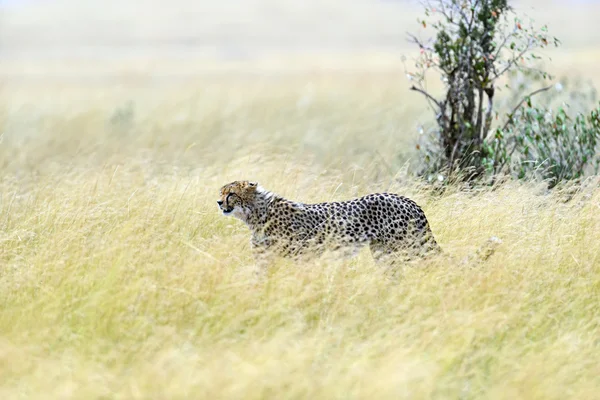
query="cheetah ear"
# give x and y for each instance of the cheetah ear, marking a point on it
(253, 184)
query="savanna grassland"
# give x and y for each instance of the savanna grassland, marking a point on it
(119, 278)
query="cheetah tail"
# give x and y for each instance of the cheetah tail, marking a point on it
(485, 251)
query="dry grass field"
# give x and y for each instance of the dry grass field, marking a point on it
(120, 279)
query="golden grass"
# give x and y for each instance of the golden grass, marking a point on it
(120, 279)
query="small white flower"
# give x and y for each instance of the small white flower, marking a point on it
(558, 87)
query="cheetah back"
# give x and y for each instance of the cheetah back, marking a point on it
(386, 221)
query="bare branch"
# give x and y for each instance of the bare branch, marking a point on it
(447, 13)
(488, 114)
(430, 97)
(503, 44)
(418, 42)
(479, 121)
(465, 18)
(472, 20)
(443, 11)
(512, 62)
(512, 113)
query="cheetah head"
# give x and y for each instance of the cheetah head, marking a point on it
(237, 199)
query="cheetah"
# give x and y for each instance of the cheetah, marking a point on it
(394, 227)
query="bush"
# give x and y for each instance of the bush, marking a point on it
(478, 44)
(552, 146)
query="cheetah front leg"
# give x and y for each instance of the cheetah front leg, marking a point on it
(263, 251)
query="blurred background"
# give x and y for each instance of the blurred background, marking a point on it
(95, 41)
(321, 77)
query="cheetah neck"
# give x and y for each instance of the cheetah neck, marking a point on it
(256, 217)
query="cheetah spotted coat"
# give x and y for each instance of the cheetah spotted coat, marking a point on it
(391, 225)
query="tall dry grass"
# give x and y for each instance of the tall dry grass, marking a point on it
(120, 279)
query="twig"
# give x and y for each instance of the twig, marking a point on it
(424, 93)
(418, 41)
(513, 61)
(502, 45)
(510, 116)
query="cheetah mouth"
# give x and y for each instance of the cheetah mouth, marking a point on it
(227, 210)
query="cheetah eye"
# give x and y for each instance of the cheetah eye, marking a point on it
(228, 196)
